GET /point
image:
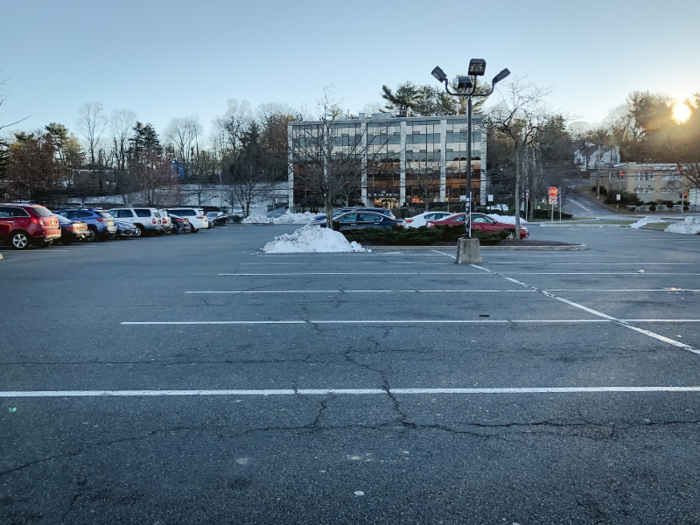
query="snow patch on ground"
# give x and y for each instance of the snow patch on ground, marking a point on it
(311, 239)
(690, 226)
(296, 218)
(646, 220)
(256, 218)
(287, 218)
(508, 219)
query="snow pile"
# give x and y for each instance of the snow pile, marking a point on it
(295, 218)
(645, 221)
(310, 239)
(287, 218)
(508, 219)
(690, 226)
(256, 218)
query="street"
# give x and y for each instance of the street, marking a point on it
(196, 379)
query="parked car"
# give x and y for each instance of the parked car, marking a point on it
(195, 215)
(100, 223)
(480, 222)
(180, 224)
(423, 218)
(23, 225)
(146, 220)
(321, 220)
(125, 229)
(166, 222)
(216, 218)
(71, 230)
(355, 220)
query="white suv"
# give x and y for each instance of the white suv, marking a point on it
(147, 220)
(196, 216)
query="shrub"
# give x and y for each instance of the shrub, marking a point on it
(423, 236)
(652, 207)
(669, 204)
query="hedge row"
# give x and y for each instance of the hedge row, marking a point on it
(423, 236)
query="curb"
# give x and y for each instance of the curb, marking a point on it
(571, 248)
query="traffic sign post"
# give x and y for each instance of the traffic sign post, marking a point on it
(552, 201)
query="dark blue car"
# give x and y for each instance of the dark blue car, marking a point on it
(100, 223)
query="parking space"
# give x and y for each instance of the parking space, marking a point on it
(536, 387)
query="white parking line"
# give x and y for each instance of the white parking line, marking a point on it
(375, 321)
(603, 319)
(343, 273)
(620, 322)
(356, 291)
(347, 391)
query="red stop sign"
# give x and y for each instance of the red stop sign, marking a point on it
(553, 192)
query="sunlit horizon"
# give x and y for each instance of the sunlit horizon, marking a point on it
(681, 112)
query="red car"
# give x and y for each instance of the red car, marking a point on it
(481, 222)
(25, 224)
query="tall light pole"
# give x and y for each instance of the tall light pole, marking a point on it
(466, 87)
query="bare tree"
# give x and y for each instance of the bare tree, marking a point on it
(517, 117)
(325, 160)
(91, 125)
(182, 138)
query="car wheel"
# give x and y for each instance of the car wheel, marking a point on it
(510, 235)
(112, 236)
(168, 231)
(91, 235)
(139, 230)
(19, 240)
(194, 230)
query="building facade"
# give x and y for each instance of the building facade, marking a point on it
(650, 182)
(395, 160)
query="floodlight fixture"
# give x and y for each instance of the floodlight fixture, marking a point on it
(477, 67)
(464, 83)
(439, 74)
(503, 74)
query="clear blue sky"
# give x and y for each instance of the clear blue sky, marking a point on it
(180, 58)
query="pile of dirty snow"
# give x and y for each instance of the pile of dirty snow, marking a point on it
(295, 218)
(508, 219)
(256, 218)
(690, 226)
(287, 218)
(646, 220)
(310, 239)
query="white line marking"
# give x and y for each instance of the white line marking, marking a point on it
(372, 321)
(631, 273)
(620, 322)
(346, 391)
(357, 291)
(445, 254)
(346, 273)
(668, 290)
(579, 204)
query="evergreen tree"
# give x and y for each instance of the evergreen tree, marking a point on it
(145, 139)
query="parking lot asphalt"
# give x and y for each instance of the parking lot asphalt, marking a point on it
(196, 379)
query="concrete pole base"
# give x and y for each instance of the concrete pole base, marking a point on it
(468, 251)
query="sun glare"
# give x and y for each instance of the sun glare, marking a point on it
(681, 112)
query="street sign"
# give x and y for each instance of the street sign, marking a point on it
(553, 192)
(527, 194)
(552, 199)
(490, 198)
(463, 198)
(618, 197)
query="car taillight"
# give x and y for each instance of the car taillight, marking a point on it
(409, 220)
(154, 221)
(72, 228)
(101, 220)
(200, 217)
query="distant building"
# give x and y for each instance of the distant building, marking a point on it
(590, 157)
(399, 156)
(650, 182)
